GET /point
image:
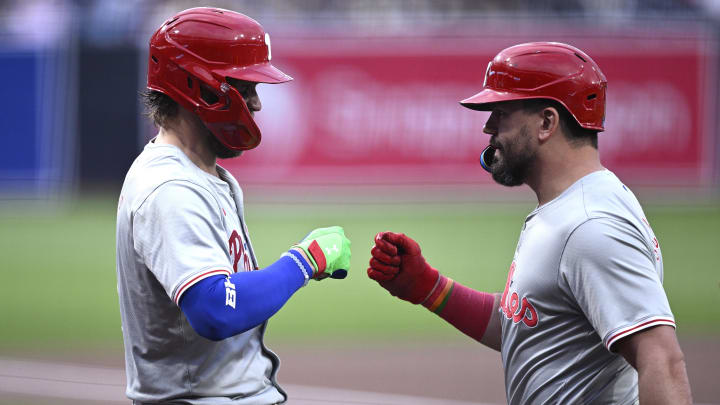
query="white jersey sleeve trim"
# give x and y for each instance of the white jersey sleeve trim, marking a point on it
(197, 278)
(637, 327)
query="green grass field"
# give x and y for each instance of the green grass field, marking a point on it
(58, 284)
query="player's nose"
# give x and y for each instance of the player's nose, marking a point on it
(253, 102)
(490, 127)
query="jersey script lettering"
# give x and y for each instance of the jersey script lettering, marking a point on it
(237, 251)
(518, 310)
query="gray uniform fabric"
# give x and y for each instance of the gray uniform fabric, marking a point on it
(177, 225)
(587, 271)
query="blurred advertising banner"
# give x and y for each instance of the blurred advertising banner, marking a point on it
(37, 127)
(386, 111)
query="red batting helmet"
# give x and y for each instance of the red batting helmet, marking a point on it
(192, 55)
(550, 70)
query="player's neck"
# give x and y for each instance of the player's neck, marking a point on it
(189, 137)
(559, 171)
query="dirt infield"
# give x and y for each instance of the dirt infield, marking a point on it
(39, 382)
(464, 372)
(429, 374)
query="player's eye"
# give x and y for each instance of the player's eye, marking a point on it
(244, 88)
(246, 91)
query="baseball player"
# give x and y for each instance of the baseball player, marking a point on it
(193, 302)
(583, 318)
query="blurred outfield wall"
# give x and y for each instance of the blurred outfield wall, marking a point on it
(385, 109)
(374, 100)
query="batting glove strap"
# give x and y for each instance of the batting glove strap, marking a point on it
(315, 256)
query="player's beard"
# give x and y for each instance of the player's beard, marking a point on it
(220, 150)
(515, 162)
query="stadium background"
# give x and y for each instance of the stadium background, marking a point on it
(368, 136)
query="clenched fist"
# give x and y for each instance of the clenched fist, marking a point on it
(398, 266)
(328, 251)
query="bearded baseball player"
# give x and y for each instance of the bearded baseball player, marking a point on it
(584, 318)
(193, 302)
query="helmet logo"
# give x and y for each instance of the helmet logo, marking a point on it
(488, 72)
(267, 42)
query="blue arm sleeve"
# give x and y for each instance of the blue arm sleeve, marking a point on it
(219, 307)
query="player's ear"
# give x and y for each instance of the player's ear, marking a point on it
(549, 124)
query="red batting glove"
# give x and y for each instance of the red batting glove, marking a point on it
(399, 267)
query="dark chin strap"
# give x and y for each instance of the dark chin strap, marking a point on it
(487, 157)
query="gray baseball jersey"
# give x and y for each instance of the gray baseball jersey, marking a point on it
(177, 225)
(587, 271)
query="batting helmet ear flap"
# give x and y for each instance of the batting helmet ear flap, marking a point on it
(209, 96)
(231, 121)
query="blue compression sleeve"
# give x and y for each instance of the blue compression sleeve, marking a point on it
(219, 307)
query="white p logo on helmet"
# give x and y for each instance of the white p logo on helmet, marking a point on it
(487, 73)
(267, 42)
